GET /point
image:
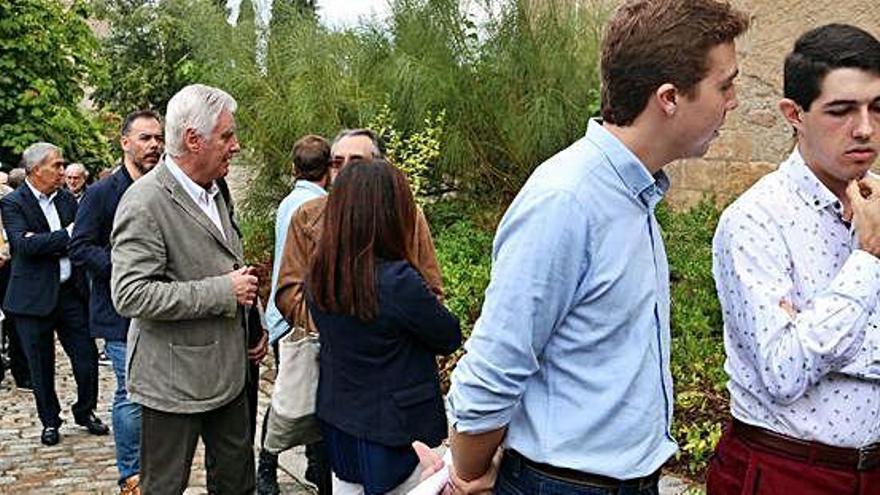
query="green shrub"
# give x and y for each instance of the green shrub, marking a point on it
(701, 403)
(464, 253)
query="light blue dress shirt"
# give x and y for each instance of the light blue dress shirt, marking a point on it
(571, 351)
(303, 191)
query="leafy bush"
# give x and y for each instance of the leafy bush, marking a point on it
(415, 154)
(148, 45)
(47, 54)
(701, 402)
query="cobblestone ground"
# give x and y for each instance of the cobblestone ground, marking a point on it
(83, 463)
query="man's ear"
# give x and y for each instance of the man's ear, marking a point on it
(192, 140)
(791, 111)
(667, 98)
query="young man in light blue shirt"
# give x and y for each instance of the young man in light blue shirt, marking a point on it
(313, 171)
(568, 365)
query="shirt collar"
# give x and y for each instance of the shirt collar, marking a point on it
(634, 174)
(308, 185)
(811, 190)
(198, 193)
(40, 196)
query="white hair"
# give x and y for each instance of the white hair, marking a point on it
(195, 107)
(35, 154)
(77, 167)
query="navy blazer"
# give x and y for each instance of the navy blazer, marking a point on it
(34, 280)
(379, 380)
(90, 249)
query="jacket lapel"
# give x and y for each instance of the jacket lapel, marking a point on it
(32, 207)
(182, 198)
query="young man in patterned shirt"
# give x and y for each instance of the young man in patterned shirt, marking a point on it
(797, 271)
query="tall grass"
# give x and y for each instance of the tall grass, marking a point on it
(514, 90)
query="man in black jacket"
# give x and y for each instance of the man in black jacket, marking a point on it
(46, 292)
(142, 143)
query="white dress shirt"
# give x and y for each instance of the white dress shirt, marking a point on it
(204, 198)
(47, 204)
(813, 375)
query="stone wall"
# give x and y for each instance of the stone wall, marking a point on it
(755, 138)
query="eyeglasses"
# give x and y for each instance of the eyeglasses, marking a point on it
(339, 160)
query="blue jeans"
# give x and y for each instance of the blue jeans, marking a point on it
(126, 416)
(517, 478)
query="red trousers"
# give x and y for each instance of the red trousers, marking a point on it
(740, 469)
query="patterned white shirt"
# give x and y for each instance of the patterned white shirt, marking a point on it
(814, 375)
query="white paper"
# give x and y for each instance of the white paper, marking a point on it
(434, 484)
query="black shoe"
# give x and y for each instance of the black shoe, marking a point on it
(94, 425)
(50, 436)
(267, 474)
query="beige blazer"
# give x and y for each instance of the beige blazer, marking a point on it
(186, 343)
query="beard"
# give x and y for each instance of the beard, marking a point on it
(142, 165)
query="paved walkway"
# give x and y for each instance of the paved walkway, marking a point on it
(83, 463)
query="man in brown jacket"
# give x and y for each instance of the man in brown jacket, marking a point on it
(303, 235)
(305, 231)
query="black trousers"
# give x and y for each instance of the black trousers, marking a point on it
(37, 335)
(168, 443)
(17, 360)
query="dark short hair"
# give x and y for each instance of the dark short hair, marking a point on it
(649, 43)
(370, 216)
(823, 49)
(311, 158)
(139, 114)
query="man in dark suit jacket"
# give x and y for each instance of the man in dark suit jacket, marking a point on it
(46, 292)
(142, 143)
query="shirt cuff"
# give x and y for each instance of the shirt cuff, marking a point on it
(473, 423)
(859, 279)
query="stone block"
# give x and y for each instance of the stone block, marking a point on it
(739, 176)
(730, 146)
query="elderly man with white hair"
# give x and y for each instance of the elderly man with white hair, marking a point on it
(46, 292)
(179, 274)
(75, 177)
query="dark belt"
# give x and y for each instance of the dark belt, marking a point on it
(863, 459)
(581, 478)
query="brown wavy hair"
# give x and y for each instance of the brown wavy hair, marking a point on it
(649, 43)
(370, 216)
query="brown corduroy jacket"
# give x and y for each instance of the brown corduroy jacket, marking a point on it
(303, 235)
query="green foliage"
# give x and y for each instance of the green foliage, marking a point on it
(47, 54)
(515, 91)
(150, 50)
(464, 252)
(414, 154)
(701, 403)
(493, 101)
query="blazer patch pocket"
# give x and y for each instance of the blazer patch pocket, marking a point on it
(191, 374)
